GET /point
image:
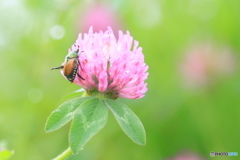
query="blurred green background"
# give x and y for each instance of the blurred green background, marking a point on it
(192, 48)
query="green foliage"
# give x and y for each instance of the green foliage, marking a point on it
(75, 93)
(128, 121)
(63, 114)
(88, 119)
(89, 115)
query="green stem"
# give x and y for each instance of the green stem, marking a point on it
(64, 155)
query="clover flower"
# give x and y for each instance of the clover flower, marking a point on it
(110, 67)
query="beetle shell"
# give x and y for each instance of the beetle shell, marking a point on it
(70, 69)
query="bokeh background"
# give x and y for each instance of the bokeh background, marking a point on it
(192, 48)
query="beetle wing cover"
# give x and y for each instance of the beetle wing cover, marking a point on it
(70, 69)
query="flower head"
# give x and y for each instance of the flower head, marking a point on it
(110, 67)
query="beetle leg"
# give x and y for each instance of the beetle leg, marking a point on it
(80, 64)
(80, 76)
(60, 67)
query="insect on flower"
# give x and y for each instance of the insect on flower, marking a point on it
(112, 67)
(70, 67)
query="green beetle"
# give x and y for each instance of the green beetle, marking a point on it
(70, 67)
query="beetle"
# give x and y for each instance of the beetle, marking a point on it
(70, 67)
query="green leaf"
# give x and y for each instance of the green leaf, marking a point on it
(63, 114)
(5, 154)
(88, 119)
(75, 93)
(128, 121)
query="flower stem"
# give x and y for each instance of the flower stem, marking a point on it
(64, 155)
